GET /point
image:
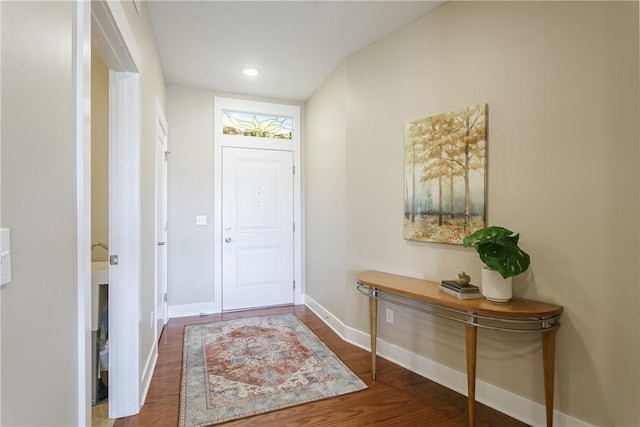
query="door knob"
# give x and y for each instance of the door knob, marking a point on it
(228, 240)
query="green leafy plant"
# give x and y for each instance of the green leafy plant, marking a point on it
(498, 249)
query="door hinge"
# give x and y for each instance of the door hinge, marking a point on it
(294, 284)
(165, 297)
(294, 227)
(294, 169)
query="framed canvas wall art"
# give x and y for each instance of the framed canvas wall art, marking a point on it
(445, 175)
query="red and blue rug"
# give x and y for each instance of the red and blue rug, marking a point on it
(238, 368)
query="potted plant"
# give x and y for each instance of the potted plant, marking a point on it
(498, 249)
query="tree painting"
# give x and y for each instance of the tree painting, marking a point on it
(445, 170)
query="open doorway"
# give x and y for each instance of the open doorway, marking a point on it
(99, 237)
(113, 41)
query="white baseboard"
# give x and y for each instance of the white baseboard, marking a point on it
(186, 310)
(501, 400)
(147, 373)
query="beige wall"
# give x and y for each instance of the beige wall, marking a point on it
(39, 308)
(561, 82)
(190, 247)
(326, 195)
(99, 156)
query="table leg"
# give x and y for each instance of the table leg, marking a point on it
(471, 333)
(373, 323)
(548, 359)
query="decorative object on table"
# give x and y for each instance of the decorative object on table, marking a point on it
(498, 249)
(463, 278)
(460, 291)
(445, 175)
(239, 368)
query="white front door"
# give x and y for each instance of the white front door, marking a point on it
(258, 228)
(161, 222)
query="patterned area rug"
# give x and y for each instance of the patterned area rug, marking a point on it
(238, 368)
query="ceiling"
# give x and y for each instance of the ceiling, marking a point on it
(295, 45)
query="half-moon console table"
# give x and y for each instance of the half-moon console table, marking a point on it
(517, 315)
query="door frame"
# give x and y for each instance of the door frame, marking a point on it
(117, 46)
(219, 141)
(82, 87)
(161, 127)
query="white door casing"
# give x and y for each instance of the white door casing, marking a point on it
(161, 220)
(82, 82)
(161, 149)
(293, 145)
(257, 220)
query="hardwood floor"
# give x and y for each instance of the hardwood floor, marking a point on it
(397, 398)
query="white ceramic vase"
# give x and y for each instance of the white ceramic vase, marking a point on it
(494, 287)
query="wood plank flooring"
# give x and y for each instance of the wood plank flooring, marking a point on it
(397, 398)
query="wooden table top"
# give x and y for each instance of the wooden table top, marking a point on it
(428, 291)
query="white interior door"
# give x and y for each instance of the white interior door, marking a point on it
(161, 222)
(124, 244)
(258, 228)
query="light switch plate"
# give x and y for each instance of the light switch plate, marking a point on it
(201, 220)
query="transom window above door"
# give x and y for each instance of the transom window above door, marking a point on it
(257, 125)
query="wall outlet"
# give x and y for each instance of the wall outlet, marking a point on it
(389, 315)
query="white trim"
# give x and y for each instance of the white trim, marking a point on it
(115, 42)
(518, 407)
(81, 414)
(161, 128)
(82, 81)
(147, 372)
(186, 310)
(219, 140)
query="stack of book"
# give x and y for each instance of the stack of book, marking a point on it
(455, 289)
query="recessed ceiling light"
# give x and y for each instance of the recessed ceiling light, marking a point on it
(251, 72)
